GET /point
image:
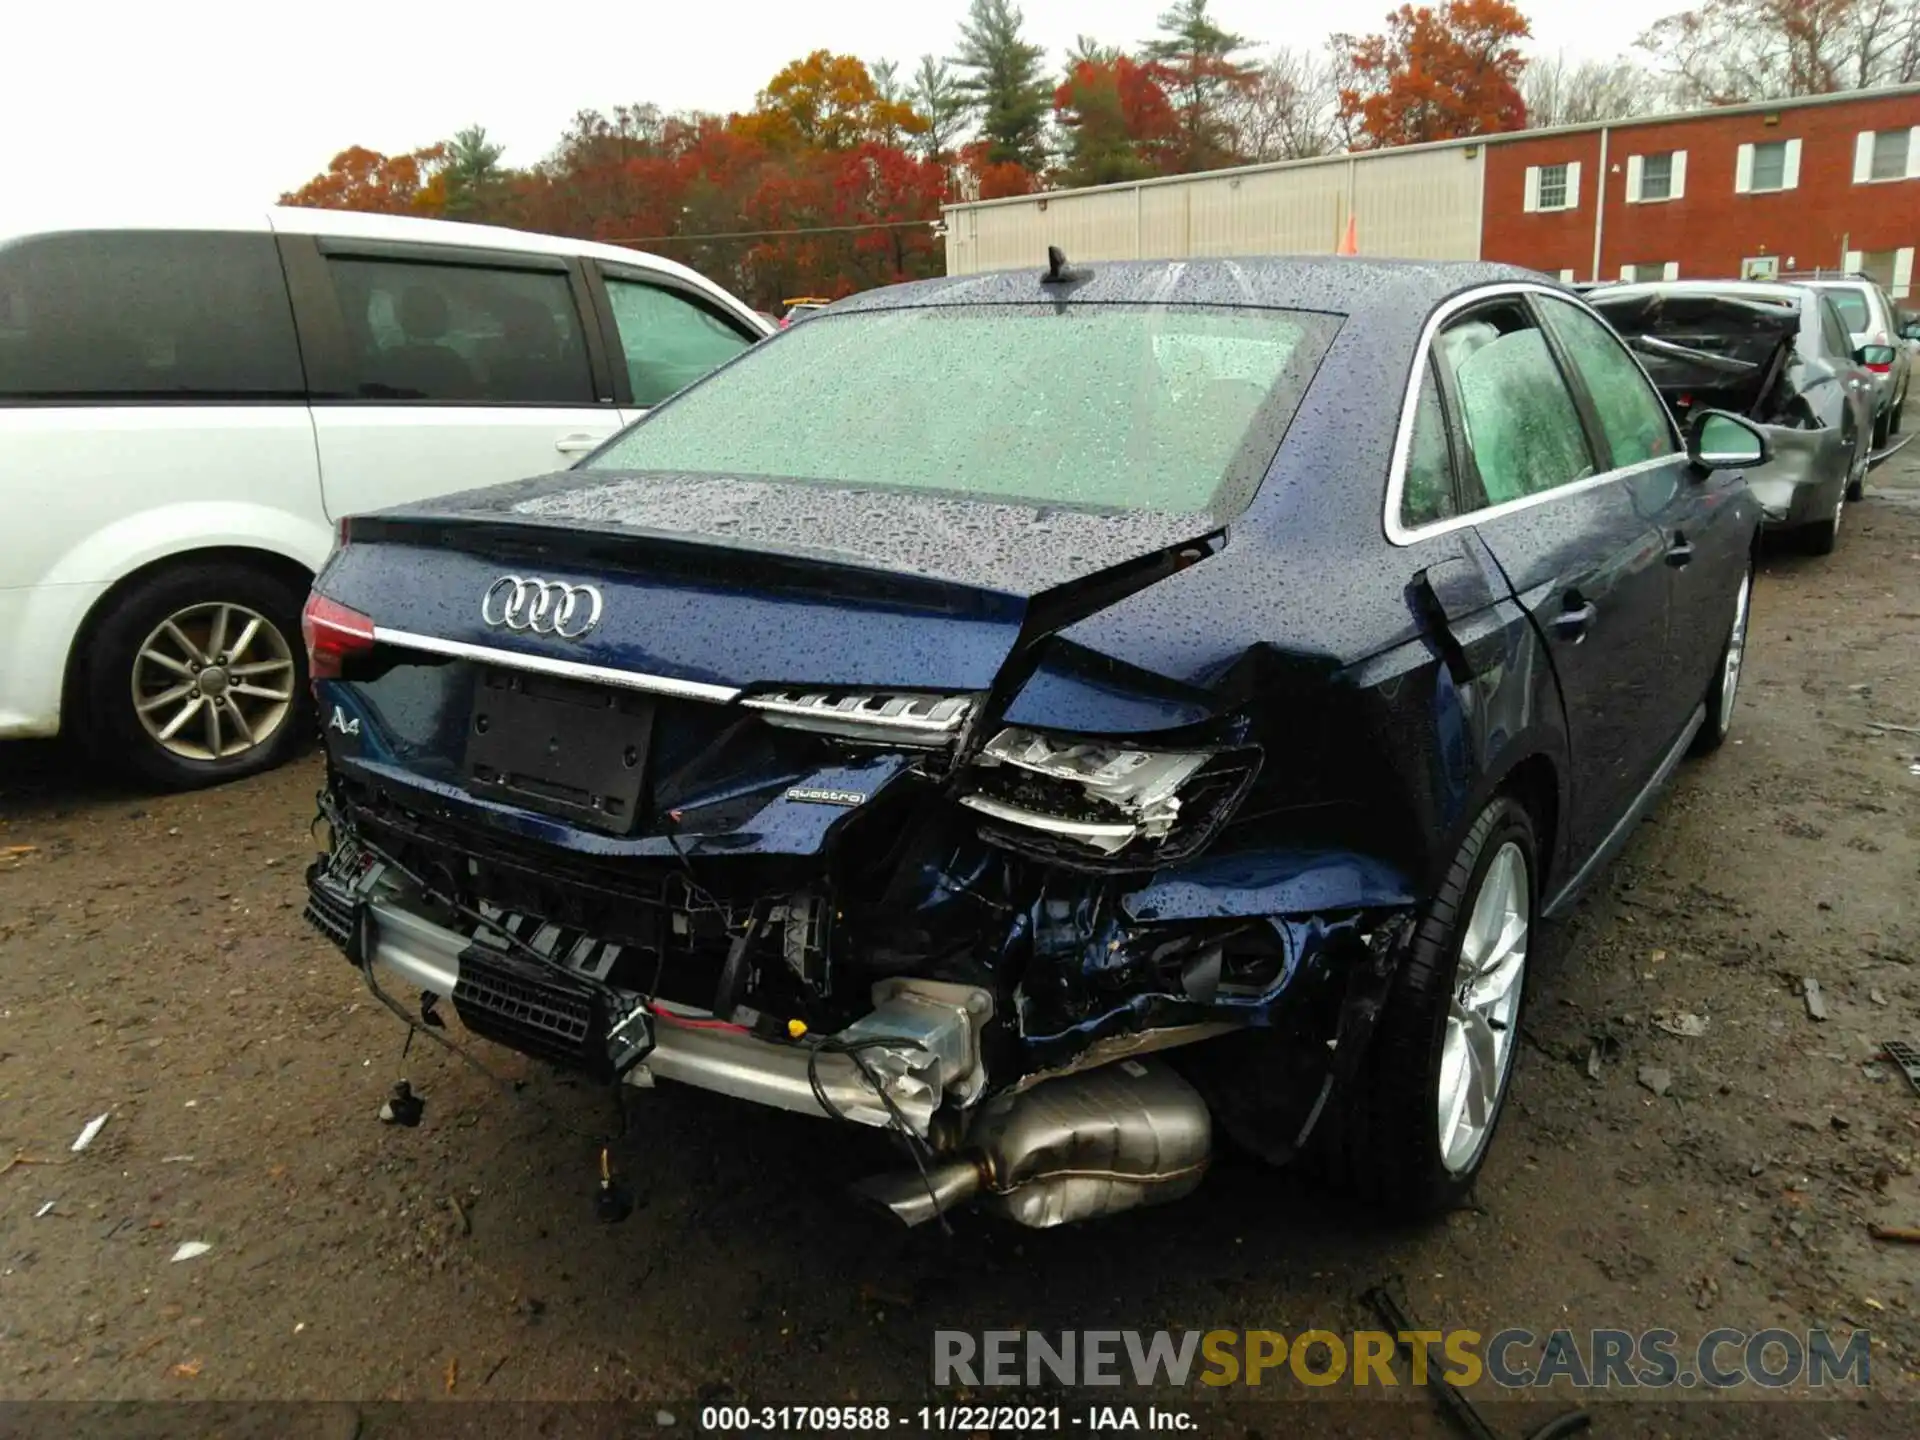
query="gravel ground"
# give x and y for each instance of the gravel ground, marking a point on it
(154, 968)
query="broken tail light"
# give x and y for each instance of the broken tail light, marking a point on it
(1103, 802)
(332, 632)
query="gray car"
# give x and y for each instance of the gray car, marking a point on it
(1870, 319)
(1779, 355)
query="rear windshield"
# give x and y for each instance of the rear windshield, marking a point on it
(1852, 306)
(1741, 327)
(1130, 407)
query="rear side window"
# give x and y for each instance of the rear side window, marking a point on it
(1632, 415)
(1833, 331)
(1429, 492)
(458, 333)
(670, 341)
(146, 315)
(1852, 305)
(1516, 413)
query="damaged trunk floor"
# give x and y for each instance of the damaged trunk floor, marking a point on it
(154, 967)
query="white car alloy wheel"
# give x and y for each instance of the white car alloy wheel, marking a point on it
(213, 681)
(1476, 1056)
(1736, 651)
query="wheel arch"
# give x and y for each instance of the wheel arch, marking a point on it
(1535, 785)
(276, 563)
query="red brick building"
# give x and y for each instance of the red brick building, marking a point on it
(1831, 182)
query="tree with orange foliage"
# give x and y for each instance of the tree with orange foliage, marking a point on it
(363, 179)
(1119, 123)
(1438, 74)
(826, 102)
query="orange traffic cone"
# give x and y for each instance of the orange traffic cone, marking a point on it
(1351, 244)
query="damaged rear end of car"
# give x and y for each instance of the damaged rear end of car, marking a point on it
(933, 799)
(1758, 351)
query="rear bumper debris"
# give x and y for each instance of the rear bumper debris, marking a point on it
(995, 1011)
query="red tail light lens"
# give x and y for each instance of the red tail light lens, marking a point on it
(332, 632)
(1886, 369)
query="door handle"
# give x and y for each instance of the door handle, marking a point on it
(576, 444)
(1574, 621)
(1680, 552)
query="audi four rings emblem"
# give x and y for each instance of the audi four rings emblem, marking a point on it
(534, 606)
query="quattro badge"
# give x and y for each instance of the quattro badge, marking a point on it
(809, 795)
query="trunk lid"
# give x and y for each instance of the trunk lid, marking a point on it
(1721, 351)
(689, 598)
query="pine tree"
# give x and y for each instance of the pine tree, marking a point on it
(1196, 61)
(1006, 87)
(935, 94)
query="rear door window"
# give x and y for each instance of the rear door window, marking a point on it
(1833, 331)
(1632, 414)
(670, 340)
(1522, 430)
(146, 315)
(461, 333)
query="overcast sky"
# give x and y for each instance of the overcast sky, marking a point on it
(209, 102)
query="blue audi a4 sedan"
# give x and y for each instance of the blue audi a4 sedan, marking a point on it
(1054, 718)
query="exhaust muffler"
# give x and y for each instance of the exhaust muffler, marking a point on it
(1094, 1143)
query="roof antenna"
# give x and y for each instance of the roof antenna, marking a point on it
(1057, 272)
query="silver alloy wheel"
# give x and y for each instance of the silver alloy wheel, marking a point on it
(1483, 1015)
(1736, 652)
(213, 681)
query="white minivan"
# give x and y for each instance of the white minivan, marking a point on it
(187, 410)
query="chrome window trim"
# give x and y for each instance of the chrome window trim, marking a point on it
(564, 669)
(1402, 535)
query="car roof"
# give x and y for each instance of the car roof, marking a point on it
(358, 225)
(1343, 285)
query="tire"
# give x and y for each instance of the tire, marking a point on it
(154, 653)
(1897, 416)
(1725, 685)
(1881, 424)
(1820, 537)
(1385, 1143)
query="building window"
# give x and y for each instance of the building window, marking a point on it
(1885, 155)
(1891, 270)
(1772, 166)
(1553, 187)
(1656, 177)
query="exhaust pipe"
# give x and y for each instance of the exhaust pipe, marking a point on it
(1085, 1145)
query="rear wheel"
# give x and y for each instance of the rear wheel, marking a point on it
(1882, 424)
(1726, 680)
(1820, 537)
(1897, 416)
(1414, 1133)
(198, 677)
